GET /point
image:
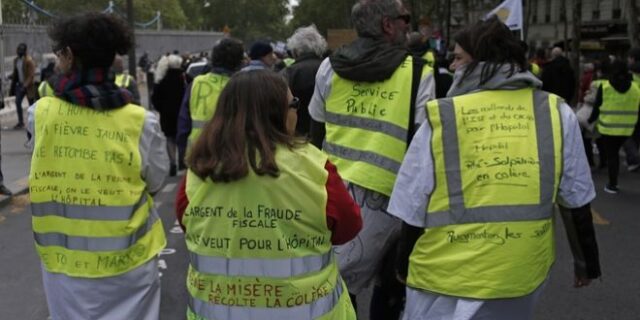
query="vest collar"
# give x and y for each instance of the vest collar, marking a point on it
(501, 80)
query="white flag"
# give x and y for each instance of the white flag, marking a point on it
(509, 12)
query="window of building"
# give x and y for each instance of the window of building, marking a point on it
(616, 12)
(595, 13)
(547, 11)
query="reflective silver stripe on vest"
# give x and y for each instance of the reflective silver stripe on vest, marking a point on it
(74, 211)
(349, 121)
(310, 311)
(546, 148)
(451, 161)
(96, 244)
(616, 125)
(457, 213)
(622, 113)
(492, 214)
(198, 124)
(271, 268)
(371, 158)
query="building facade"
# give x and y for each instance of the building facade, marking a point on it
(550, 22)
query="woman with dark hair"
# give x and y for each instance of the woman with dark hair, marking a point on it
(97, 160)
(263, 208)
(616, 109)
(478, 228)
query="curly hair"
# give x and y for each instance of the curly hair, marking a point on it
(228, 54)
(94, 38)
(307, 40)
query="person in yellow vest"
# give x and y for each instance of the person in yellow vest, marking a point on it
(97, 160)
(369, 97)
(633, 143)
(478, 208)
(201, 97)
(615, 112)
(261, 209)
(124, 80)
(45, 90)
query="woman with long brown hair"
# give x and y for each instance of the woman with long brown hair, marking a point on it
(261, 209)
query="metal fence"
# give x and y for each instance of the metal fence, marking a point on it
(155, 43)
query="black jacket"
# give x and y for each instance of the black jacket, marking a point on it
(558, 78)
(302, 79)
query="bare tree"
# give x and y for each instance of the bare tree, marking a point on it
(632, 23)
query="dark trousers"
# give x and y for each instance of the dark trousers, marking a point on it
(612, 145)
(631, 149)
(601, 153)
(387, 300)
(588, 148)
(21, 93)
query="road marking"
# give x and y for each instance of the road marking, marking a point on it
(169, 187)
(176, 223)
(176, 230)
(166, 251)
(598, 219)
(162, 264)
(158, 204)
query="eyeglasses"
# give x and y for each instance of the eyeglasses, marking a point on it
(404, 17)
(295, 103)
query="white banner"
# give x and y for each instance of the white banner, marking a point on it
(510, 13)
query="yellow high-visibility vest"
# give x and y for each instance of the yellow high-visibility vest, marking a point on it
(123, 80)
(367, 126)
(430, 58)
(205, 91)
(619, 111)
(535, 69)
(497, 161)
(260, 247)
(92, 214)
(45, 90)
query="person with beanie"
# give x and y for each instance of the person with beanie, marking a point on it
(262, 57)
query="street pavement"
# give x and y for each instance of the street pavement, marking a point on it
(615, 296)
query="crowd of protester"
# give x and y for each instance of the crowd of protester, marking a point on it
(313, 175)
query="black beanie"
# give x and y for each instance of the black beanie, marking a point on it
(259, 50)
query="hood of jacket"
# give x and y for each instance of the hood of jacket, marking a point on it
(368, 60)
(621, 83)
(501, 80)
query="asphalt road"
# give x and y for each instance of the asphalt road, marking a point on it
(615, 296)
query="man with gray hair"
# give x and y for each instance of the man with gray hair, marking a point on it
(307, 46)
(369, 96)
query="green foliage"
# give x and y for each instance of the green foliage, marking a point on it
(248, 19)
(315, 11)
